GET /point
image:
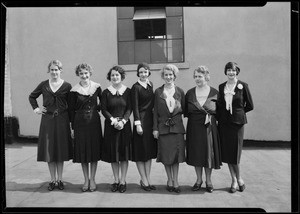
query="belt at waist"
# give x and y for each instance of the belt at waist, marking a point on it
(56, 112)
(85, 111)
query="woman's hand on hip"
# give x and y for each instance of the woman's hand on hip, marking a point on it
(42, 110)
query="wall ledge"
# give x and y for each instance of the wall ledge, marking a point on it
(156, 67)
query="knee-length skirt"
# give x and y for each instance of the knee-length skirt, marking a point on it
(231, 140)
(55, 142)
(117, 143)
(87, 137)
(171, 149)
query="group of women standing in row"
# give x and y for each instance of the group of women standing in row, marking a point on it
(214, 132)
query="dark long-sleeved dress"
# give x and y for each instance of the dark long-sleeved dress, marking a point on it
(117, 143)
(144, 147)
(54, 143)
(84, 110)
(231, 126)
(202, 140)
(171, 144)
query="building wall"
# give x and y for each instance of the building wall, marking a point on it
(258, 39)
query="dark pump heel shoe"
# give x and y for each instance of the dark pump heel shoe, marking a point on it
(152, 187)
(170, 188)
(51, 185)
(144, 187)
(115, 187)
(232, 189)
(84, 188)
(209, 188)
(92, 189)
(196, 186)
(122, 188)
(177, 189)
(60, 185)
(242, 187)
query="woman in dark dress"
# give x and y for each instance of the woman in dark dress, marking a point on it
(168, 126)
(84, 107)
(116, 108)
(144, 147)
(234, 101)
(54, 143)
(202, 139)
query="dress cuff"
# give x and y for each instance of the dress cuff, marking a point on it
(137, 122)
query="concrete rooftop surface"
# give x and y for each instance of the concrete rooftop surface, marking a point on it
(266, 173)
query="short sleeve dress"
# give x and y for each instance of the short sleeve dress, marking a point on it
(117, 143)
(54, 142)
(85, 119)
(202, 139)
(144, 147)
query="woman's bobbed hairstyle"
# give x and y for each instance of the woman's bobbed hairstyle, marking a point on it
(203, 70)
(143, 65)
(118, 69)
(169, 67)
(233, 66)
(56, 63)
(83, 66)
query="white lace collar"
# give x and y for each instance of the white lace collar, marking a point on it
(81, 90)
(144, 84)
(113, 91)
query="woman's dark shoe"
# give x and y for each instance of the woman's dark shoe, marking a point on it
(122, 188)
(114, 187)
(209, 188)
(232, 189)
(60, 185)
(177, 189)
(93, 188)
(85, 188)
(242, 187)
(144, 187)
(152, 187)
(51, 185)
(196, 186)
(170, 188)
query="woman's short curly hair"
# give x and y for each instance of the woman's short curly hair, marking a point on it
(169, 67)
(143, 65)
(83, 66)
(56, 63)
(233, 66)
(203, 70)
(118, 69)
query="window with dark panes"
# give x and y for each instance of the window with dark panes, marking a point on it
(150, 34)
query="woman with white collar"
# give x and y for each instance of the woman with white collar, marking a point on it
(116, 108)
(84, 108)
(144, 146)
(234, 101)
(169, 106)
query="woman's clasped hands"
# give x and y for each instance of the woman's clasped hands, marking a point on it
(117, 124)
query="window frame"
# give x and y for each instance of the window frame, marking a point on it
(166, 40)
